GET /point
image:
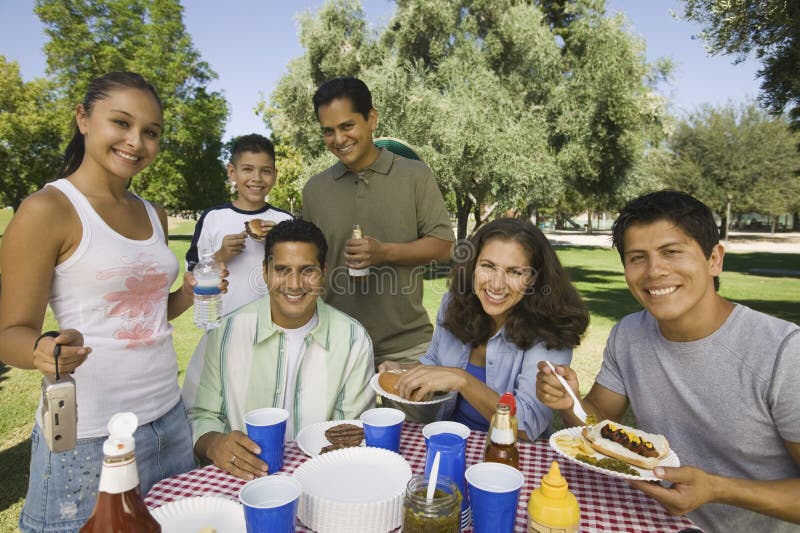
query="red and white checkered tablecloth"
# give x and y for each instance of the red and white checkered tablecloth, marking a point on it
(607, 504)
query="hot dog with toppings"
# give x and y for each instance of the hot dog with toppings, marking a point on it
(631, 445)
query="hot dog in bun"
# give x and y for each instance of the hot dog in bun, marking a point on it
(628, 444)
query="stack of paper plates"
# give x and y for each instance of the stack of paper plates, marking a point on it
(353, 490)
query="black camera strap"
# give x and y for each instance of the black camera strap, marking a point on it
(56, 353)
(56, 350)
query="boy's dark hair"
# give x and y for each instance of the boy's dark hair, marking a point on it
(688, 213)
(551, 309)
(99, 89)
(254, 143)
(353, 89)
(296, 230)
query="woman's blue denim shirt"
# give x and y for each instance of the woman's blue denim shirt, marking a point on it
(508, 369)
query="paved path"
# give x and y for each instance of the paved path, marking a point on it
(787, 243)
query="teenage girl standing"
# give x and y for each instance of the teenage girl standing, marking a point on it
(98, 254)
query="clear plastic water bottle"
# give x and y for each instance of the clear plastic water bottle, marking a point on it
(207, 296)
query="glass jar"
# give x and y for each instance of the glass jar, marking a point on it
(440, 515)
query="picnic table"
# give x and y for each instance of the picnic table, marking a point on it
(606, 503)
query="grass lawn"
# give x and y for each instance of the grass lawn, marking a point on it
(596, 272)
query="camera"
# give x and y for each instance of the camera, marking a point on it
(59, 413)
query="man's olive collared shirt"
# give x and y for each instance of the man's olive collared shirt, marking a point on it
(395, 200)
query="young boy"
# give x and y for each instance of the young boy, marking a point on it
(720, 380)
(221, 229)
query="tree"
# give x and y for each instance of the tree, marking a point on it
(770, 29)
(488, 93)
(91, 37)
(288, 190)
(736, 160)
(605, 112)
(29, 146)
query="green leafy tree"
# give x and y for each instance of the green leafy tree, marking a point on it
(30, 152)
(771, 30)
(605, 112)
(735, 159)
(91, 37)
(498, 106)
(288, 191)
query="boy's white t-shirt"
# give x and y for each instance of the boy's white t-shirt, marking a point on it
(295, 343)
(245, 279)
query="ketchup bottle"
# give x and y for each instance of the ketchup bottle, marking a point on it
(120, 507)
(501, 441)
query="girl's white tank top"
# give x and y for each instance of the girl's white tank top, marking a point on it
(114, 291)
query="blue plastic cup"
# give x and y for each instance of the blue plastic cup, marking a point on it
(267, 428)
(452, 462)
(382, 427)
(444, 426)
(270, 504)
(493, 494)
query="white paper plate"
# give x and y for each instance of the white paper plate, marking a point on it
(399, 399)
(671, 458)
(353, 490)
(311, 439)
(190, 515)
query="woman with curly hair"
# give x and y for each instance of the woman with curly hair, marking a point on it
(509, 306)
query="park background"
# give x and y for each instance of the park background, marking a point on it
(551, 110)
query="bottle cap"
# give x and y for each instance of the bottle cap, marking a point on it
(554, 478)
(120, 434)
(508, 399)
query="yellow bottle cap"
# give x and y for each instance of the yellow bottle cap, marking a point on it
(553, 484)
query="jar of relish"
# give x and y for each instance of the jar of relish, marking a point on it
(442, 514)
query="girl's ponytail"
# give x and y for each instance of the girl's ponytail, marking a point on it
(73, 155)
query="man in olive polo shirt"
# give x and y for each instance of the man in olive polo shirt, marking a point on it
(402, 213)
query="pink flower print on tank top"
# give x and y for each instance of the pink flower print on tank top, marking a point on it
(142, 296)
(140, 335)
(147, 288)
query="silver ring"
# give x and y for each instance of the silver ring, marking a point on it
(233, 461)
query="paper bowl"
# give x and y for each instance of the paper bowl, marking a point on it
(353, 490)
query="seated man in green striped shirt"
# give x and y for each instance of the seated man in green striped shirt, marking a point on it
(287, 349)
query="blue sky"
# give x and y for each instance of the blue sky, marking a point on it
(249, 43)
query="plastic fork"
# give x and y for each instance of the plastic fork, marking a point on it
(577, 408)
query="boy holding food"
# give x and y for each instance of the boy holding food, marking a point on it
(235, 231)
(718, 379)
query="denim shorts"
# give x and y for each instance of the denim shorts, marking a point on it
(63, 486)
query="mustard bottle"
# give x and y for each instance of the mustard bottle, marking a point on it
(552, 508)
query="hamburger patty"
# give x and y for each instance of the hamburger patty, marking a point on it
(345, 434)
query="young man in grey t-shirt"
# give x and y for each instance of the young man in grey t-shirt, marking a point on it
(720, 380)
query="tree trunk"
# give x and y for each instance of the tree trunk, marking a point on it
(796, 221)
(463, 207)
(774, 225)
(723, 227)
(725, 221)
(589, 220)
(477, 213)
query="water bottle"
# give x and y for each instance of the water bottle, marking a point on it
(207, 296)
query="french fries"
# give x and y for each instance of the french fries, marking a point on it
(572, 445)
